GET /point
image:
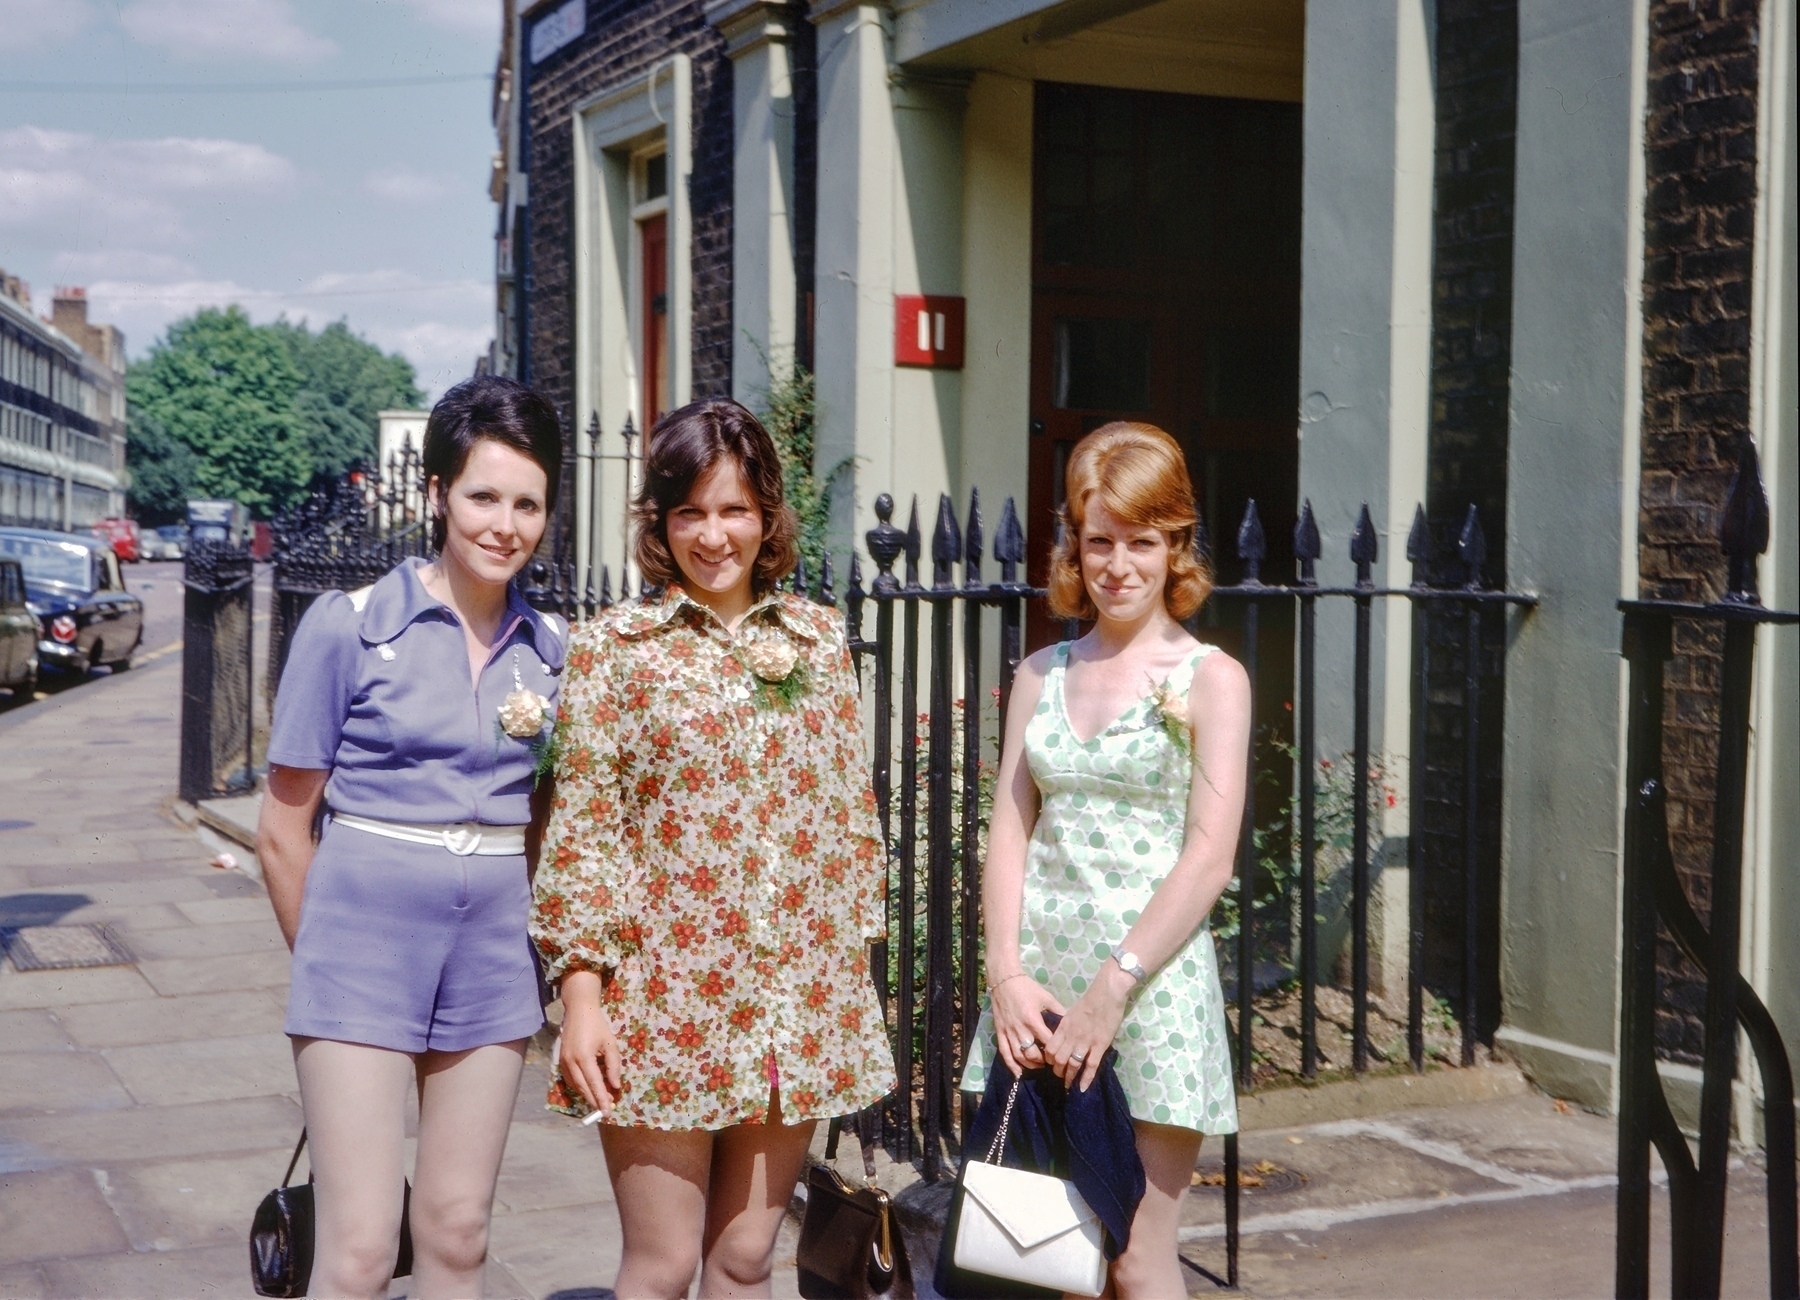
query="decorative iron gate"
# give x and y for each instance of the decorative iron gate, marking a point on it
(1653, 893)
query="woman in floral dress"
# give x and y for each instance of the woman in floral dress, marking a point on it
(712, 872)
(1121, 789)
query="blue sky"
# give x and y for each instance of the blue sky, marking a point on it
(368, 205)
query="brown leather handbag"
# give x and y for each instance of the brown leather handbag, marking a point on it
(850, 1245)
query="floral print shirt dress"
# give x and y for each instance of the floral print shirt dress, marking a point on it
(713, 853)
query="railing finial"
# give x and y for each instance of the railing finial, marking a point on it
(1009, 543)
(1744, 526)
(1202, 540)
(1365, 546)
(1472, 546)
(1252, 546)
(885, 544)
(1306, 543)
(827, 587)
(1418, 547)
(912, 545)
(972, 541)
(946, 542)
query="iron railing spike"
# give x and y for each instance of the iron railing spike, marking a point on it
(1365, 546)
(1418, 540)
(1306, 534)
(973, 540)
(946, 542)
(799, 580)
(827, 588)
(1471, 545)
(912, 545)
(1252, 544)
(1202, 539)
(593, 429)
(1744, 526)
(606, 596)
(1009, 542)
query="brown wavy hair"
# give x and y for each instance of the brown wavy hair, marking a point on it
(683, 448)
(1141, 476)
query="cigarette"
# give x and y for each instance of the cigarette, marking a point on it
(594, 1118)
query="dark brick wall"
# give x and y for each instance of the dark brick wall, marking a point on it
(1471, 338)
(625, 38)
(1700, 156)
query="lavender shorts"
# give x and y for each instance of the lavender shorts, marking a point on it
(410, 947)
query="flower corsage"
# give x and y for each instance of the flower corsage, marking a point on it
(775, 660)
(1172, 716)
(525, 715)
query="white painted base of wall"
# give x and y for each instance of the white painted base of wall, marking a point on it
(1579, 1074)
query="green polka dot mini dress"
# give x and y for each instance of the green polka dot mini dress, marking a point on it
(1111, 820)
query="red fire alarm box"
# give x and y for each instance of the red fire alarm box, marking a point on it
(928, 331)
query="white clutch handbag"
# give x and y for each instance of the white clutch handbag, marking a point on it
(1028, 1227)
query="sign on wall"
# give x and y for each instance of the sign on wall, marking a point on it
(557, 28)
(928, 330)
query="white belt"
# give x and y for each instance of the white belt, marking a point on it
(461, 838)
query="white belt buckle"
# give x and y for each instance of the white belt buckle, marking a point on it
(462, 839)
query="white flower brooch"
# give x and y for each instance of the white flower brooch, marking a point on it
(525, 715)
(775, 660)
(1172, 716)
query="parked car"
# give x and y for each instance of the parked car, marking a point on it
(18, 634)
(73, 586)
(125, 537)
(166, 543)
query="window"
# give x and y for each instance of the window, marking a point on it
(650, 310)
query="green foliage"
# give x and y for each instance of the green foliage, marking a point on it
(1277, 842)
(345, 382)
(162, 470)
(253, 413)
(788, 415)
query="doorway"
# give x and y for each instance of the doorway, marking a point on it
(1166, 289)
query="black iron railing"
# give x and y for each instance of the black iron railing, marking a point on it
(1653, 892)
(931, 966)
(342, 537)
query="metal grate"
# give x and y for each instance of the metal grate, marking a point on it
(63, 947)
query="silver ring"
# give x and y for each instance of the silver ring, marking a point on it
(1079, 1057)
(1028, 1045)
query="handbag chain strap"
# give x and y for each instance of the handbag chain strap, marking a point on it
(298, 1148)
(1005, 1122)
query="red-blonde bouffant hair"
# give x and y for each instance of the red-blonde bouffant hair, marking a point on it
(1140, 475)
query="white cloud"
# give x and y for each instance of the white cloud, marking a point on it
(474, 17)
(403, 185)
(198, 29)
(439, 326)
(36, 24)
(52, 180)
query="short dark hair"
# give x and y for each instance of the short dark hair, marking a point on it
(501, 409)
(683, 447)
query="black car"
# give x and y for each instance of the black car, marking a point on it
(85, 616)
(18, 634)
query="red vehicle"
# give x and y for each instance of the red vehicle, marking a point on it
(123, 536)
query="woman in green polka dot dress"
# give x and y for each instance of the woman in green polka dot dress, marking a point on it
(1121, 789)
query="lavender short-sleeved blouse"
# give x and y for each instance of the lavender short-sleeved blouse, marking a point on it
(382, 698)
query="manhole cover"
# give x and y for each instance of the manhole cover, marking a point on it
(62, 947)
(1263, 1178)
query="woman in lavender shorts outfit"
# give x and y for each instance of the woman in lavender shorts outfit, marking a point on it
(413, 714)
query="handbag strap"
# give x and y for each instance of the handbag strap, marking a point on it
(1005, 1123)
(298, 1148)
(861, 1122)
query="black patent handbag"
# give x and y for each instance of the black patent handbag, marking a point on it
(281, 1235)
(850, 1246)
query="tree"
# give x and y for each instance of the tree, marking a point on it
(226, 390)
(163, 469)
(345, 381)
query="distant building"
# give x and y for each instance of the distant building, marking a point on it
(62, 412)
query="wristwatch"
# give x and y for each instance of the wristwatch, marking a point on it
(1129, 963)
